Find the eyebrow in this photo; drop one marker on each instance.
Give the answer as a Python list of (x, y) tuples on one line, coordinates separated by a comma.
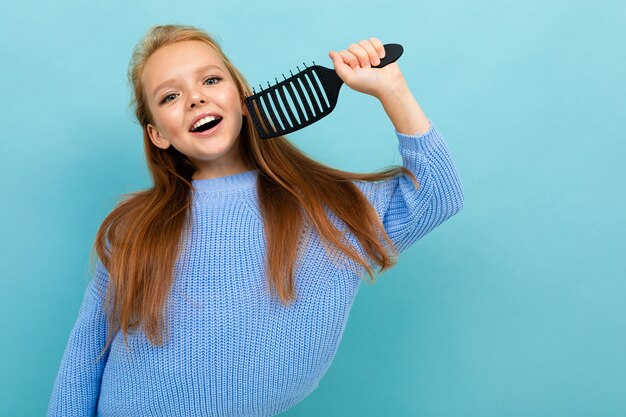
[(199, 69)]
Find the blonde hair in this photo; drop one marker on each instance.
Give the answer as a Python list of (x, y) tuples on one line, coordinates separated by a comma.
[(292, 190)]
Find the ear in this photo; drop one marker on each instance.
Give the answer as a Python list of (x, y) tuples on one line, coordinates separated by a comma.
[(244, 109), (156, 137)]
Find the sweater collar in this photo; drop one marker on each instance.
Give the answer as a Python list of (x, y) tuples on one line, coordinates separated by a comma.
[(242, 180)]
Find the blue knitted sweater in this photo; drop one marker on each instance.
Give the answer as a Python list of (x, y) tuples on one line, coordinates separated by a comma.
[(233, 348)]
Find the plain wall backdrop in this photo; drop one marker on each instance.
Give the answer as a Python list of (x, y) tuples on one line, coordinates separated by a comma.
[(513, 307)]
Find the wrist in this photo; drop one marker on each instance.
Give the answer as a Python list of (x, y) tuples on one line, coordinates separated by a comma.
[(398, 90), (403, 110)]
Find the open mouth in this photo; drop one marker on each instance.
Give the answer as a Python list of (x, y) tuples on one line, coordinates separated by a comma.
[(207, 126)]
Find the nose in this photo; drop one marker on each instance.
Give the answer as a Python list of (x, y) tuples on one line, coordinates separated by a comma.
[(195, 101)]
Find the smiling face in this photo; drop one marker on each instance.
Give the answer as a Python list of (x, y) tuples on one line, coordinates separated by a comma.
[(183, 83)]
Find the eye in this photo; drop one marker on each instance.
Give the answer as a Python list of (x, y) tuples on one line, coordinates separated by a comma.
[(166, 98), (212, 78)]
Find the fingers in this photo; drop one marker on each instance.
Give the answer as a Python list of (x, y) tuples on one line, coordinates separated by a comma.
[(365, 54), (340, 61), (349, 58), (378, 45), (340, 66)]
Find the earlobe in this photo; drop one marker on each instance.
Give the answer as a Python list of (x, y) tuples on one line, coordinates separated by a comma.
[(156, 137)]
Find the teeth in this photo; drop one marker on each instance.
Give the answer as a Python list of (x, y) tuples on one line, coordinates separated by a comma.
[(203, 121)]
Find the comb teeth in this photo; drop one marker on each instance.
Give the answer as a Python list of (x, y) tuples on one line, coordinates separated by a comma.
[(293, 103)]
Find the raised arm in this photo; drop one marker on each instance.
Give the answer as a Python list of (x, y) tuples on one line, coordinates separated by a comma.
[(410, 215), (407, 213)]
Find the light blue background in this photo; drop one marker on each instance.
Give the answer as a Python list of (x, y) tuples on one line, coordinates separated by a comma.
[(513, 307)]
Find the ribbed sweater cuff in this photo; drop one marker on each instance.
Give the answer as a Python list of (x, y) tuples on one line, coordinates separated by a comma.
[(426, 142)]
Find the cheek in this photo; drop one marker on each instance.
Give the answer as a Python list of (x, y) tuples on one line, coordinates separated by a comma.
[(233, 100), (171, 119)]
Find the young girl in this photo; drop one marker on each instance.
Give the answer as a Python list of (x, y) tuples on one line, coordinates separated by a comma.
[(224, 289)]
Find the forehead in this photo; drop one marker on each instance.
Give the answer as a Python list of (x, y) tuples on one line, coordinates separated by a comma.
[(177, 60)]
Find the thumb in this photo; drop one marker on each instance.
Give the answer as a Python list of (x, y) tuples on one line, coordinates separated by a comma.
[(342, 69)]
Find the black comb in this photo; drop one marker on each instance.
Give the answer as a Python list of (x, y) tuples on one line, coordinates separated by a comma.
[(298, 101)]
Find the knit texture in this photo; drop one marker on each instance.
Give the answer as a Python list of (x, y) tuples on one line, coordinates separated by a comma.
[(233, 348)]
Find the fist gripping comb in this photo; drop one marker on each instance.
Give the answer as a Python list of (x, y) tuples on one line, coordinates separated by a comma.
[(298, 101)]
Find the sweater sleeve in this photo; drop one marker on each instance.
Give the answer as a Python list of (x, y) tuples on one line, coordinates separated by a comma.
[(77, 385), (408, 213)]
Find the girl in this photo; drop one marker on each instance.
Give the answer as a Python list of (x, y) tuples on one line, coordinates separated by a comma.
[(224, 289)]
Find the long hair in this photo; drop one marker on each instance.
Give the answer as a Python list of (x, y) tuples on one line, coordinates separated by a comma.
[(293, 191)]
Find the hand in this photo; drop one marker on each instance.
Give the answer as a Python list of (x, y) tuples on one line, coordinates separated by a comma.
[(354, 67)]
